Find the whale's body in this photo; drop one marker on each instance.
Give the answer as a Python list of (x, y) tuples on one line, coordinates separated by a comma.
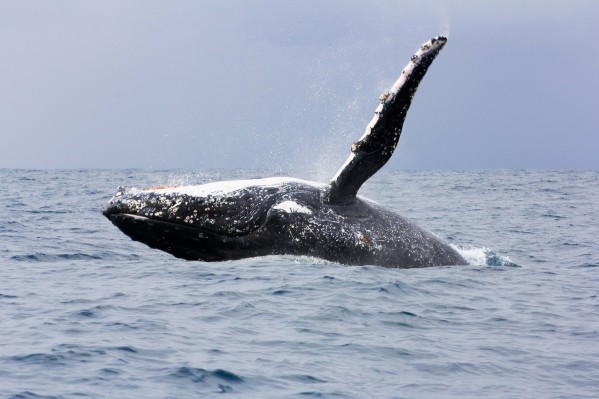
[(278, 216)]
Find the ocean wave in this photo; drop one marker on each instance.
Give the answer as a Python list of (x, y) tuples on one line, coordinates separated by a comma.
[(48, 257), (218, 380)]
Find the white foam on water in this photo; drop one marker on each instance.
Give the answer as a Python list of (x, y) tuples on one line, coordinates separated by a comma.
[(483, 256)]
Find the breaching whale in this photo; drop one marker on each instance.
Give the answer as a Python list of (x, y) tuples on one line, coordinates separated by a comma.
[(286, 216)]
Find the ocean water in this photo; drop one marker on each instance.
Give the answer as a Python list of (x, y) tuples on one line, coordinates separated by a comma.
[(87, 313)]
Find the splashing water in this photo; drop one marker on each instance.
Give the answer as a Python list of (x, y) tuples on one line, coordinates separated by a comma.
[(483, 256)]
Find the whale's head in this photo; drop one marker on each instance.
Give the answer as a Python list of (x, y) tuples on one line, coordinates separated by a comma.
[(215, 221)]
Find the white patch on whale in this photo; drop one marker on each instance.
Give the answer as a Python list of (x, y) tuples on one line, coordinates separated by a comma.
[(292, 207)]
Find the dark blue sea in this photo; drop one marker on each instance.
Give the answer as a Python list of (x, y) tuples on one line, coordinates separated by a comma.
[(87, 313)]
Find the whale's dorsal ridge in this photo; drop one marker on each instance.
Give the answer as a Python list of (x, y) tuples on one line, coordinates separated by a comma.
[(378, 142)]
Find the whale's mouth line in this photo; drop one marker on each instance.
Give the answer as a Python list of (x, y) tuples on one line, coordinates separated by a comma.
[(131, 217), (113, 216), (202, 232), (145, 219)]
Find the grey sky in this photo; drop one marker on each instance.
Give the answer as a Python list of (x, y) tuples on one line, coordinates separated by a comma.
[(190, 84)]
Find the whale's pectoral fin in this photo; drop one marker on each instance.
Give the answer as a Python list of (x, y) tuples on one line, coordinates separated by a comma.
[(378, 142)]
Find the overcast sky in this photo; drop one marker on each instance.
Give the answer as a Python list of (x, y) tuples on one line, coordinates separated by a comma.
[(288, 84)]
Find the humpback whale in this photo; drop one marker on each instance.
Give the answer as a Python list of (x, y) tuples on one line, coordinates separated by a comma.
[(287, 216)]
